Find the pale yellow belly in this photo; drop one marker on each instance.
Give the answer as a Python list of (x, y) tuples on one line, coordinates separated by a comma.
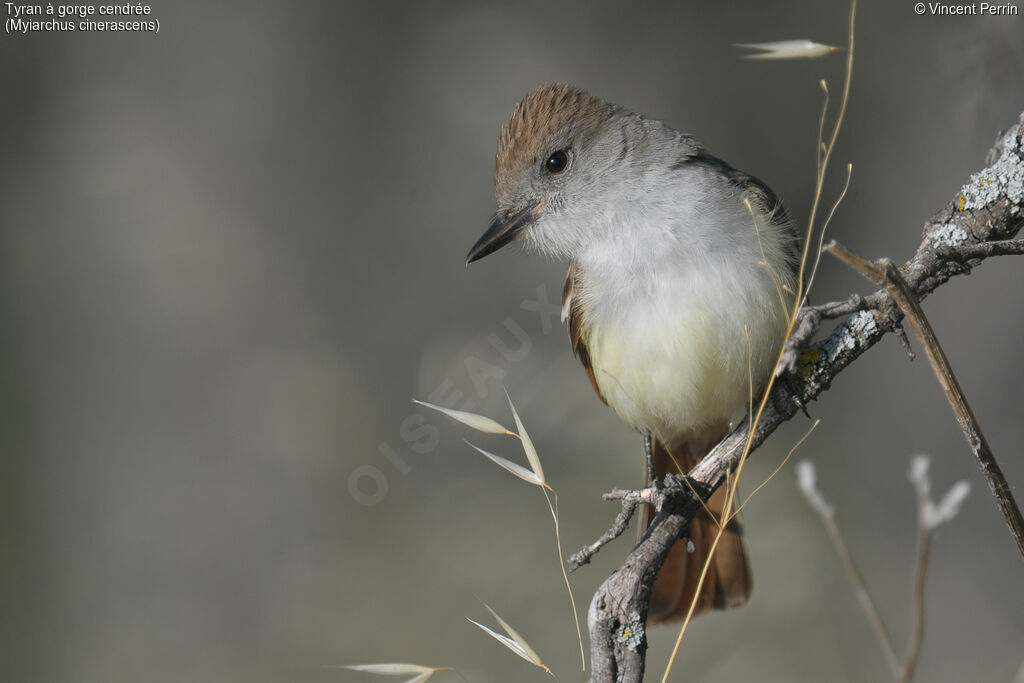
[(680, 372)]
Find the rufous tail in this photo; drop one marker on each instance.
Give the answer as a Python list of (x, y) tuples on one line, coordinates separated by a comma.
[(728, 581)]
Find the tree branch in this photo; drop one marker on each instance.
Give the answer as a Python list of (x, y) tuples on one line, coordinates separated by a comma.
[(978, 223)]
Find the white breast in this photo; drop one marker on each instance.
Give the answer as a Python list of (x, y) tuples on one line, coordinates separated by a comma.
[(682, 319)]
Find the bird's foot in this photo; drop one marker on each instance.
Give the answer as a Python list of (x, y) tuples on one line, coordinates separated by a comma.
[(792, 387)]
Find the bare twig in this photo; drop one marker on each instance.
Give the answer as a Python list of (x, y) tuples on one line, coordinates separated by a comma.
[(884, 273), (583, 555), (906, 672), (807, 482), (924, 544), (980, 251)]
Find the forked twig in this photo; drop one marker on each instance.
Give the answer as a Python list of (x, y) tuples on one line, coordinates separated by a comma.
[(630, 501), (929, 516)]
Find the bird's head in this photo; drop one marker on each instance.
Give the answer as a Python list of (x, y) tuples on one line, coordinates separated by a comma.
[(556, 164)]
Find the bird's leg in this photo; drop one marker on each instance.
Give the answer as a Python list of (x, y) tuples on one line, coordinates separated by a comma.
[(652, 479)]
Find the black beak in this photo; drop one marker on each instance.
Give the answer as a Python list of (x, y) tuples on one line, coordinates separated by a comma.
[(502, 230)]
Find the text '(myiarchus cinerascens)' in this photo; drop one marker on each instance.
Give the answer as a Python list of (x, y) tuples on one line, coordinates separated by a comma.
[(681, 278)]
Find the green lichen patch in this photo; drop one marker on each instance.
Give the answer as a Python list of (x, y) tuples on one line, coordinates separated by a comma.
[(808, 361)]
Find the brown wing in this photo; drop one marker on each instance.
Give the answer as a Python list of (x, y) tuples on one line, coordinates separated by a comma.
[(572, 315)]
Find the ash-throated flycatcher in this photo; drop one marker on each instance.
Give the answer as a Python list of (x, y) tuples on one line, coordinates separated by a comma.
[(681, 273)]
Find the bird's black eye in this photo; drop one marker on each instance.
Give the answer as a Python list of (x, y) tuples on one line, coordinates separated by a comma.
[(557, 162)]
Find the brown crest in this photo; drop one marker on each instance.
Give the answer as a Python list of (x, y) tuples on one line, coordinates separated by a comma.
[(550, 115)]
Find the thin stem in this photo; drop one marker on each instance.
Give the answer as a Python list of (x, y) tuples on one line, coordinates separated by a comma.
[(781, 465), (861, 589), (824, 226), (819, 147), (553, 507), (924, 542), (693, 604), (829, 147)]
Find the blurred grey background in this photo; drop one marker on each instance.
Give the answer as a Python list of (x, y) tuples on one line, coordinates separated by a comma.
[(232, 253)]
